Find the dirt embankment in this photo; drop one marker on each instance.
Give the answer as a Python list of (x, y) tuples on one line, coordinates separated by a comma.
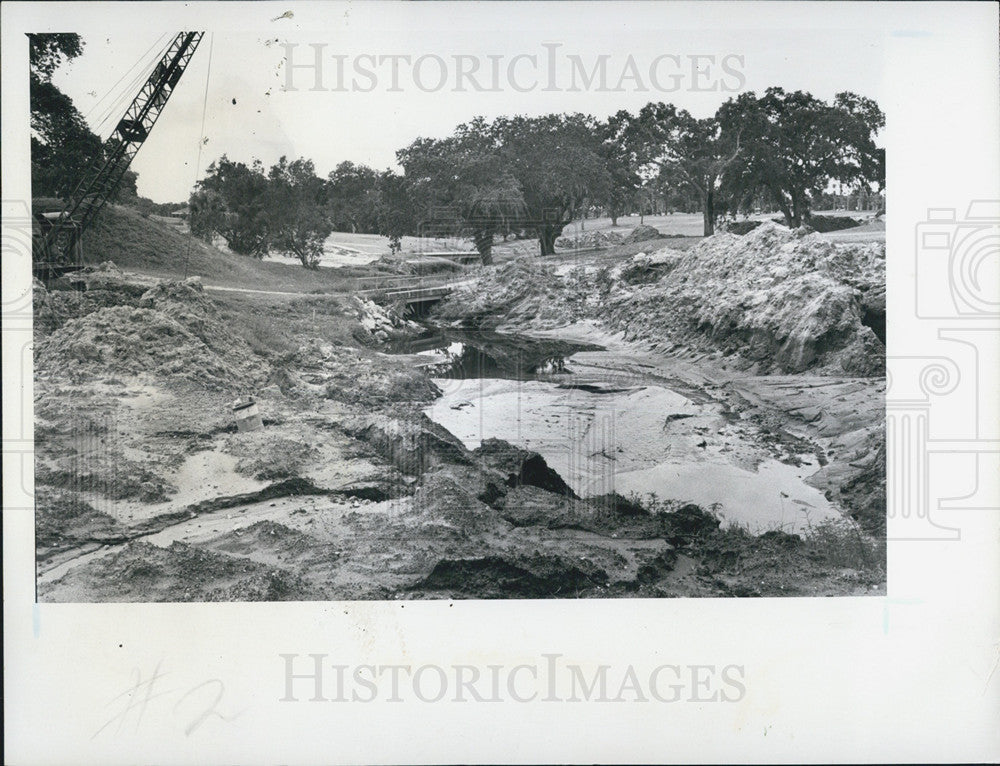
[(775, 300)]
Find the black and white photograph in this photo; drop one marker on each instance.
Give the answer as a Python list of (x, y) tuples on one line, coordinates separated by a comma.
[(395, 355), (637, 351)]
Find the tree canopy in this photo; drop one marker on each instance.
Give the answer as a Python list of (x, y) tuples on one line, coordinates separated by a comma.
[(297, 213), (62, 145), (463, 185), (532, 174), (353, 197), (47, 51), (232, 201), (672, 148), (794, 145), (283, 210), (558, 162)]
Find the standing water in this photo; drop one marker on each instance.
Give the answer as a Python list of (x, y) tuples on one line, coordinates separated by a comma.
[(614, 433)]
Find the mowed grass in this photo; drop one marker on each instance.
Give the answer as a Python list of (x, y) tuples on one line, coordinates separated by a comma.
[(141, 244)]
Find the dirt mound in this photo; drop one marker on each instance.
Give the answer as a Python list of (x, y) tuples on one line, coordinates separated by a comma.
[(172, 331), (779, 299), (825, 223), (83, 292), (589, 239), (741, 227), (145, 572), (113, 476), (643, 268), (269, 456), (358, 376), (688, 523), (525, 288), (642, 233), (609, 515), (785, 301), (521, 467)]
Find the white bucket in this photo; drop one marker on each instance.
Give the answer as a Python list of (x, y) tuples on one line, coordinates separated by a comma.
[(247, 415)]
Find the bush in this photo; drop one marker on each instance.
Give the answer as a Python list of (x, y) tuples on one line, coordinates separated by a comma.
[(742, 227)]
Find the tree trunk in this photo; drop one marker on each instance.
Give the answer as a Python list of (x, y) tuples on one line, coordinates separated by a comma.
[(483, 238), (547, 239), (797, 203), (708, 208), (787, 212), (796, 216)]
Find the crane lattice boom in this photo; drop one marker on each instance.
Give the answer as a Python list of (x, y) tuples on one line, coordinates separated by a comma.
[(56, 249)]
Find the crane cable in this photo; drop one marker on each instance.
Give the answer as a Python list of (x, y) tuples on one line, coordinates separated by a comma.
[(127, 94), (201, 143), (128, 71)]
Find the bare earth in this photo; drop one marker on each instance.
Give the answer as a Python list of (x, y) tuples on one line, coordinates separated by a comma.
[(146, 491)]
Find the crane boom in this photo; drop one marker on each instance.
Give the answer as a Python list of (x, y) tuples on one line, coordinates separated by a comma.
[(55, 248)]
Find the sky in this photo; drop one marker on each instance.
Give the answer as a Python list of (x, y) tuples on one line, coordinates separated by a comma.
[(453, 62)]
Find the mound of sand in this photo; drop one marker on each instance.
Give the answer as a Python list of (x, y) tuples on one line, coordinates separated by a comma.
[(523, 285), (642, 233), (354, 376), (171, 331), (773, 296), (779, 299), (590, 239)]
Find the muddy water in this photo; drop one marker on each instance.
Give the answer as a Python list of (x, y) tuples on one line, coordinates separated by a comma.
[(617, 433), (464, 354)]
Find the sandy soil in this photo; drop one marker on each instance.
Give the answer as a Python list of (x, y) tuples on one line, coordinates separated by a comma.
[(838, 421), (146, 490)]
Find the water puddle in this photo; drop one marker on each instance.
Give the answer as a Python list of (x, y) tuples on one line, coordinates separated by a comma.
[(630, 438), (465, 354)]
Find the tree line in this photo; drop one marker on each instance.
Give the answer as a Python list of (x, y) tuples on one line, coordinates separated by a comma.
[(531, 176), (63, 147), (512, 176)]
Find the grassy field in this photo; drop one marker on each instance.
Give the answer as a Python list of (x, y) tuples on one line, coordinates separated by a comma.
[(147, 246)]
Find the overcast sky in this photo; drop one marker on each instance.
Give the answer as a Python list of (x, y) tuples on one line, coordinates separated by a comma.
[(250, 114)]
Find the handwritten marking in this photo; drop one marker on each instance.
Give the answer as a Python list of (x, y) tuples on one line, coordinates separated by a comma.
[(193, 707)]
